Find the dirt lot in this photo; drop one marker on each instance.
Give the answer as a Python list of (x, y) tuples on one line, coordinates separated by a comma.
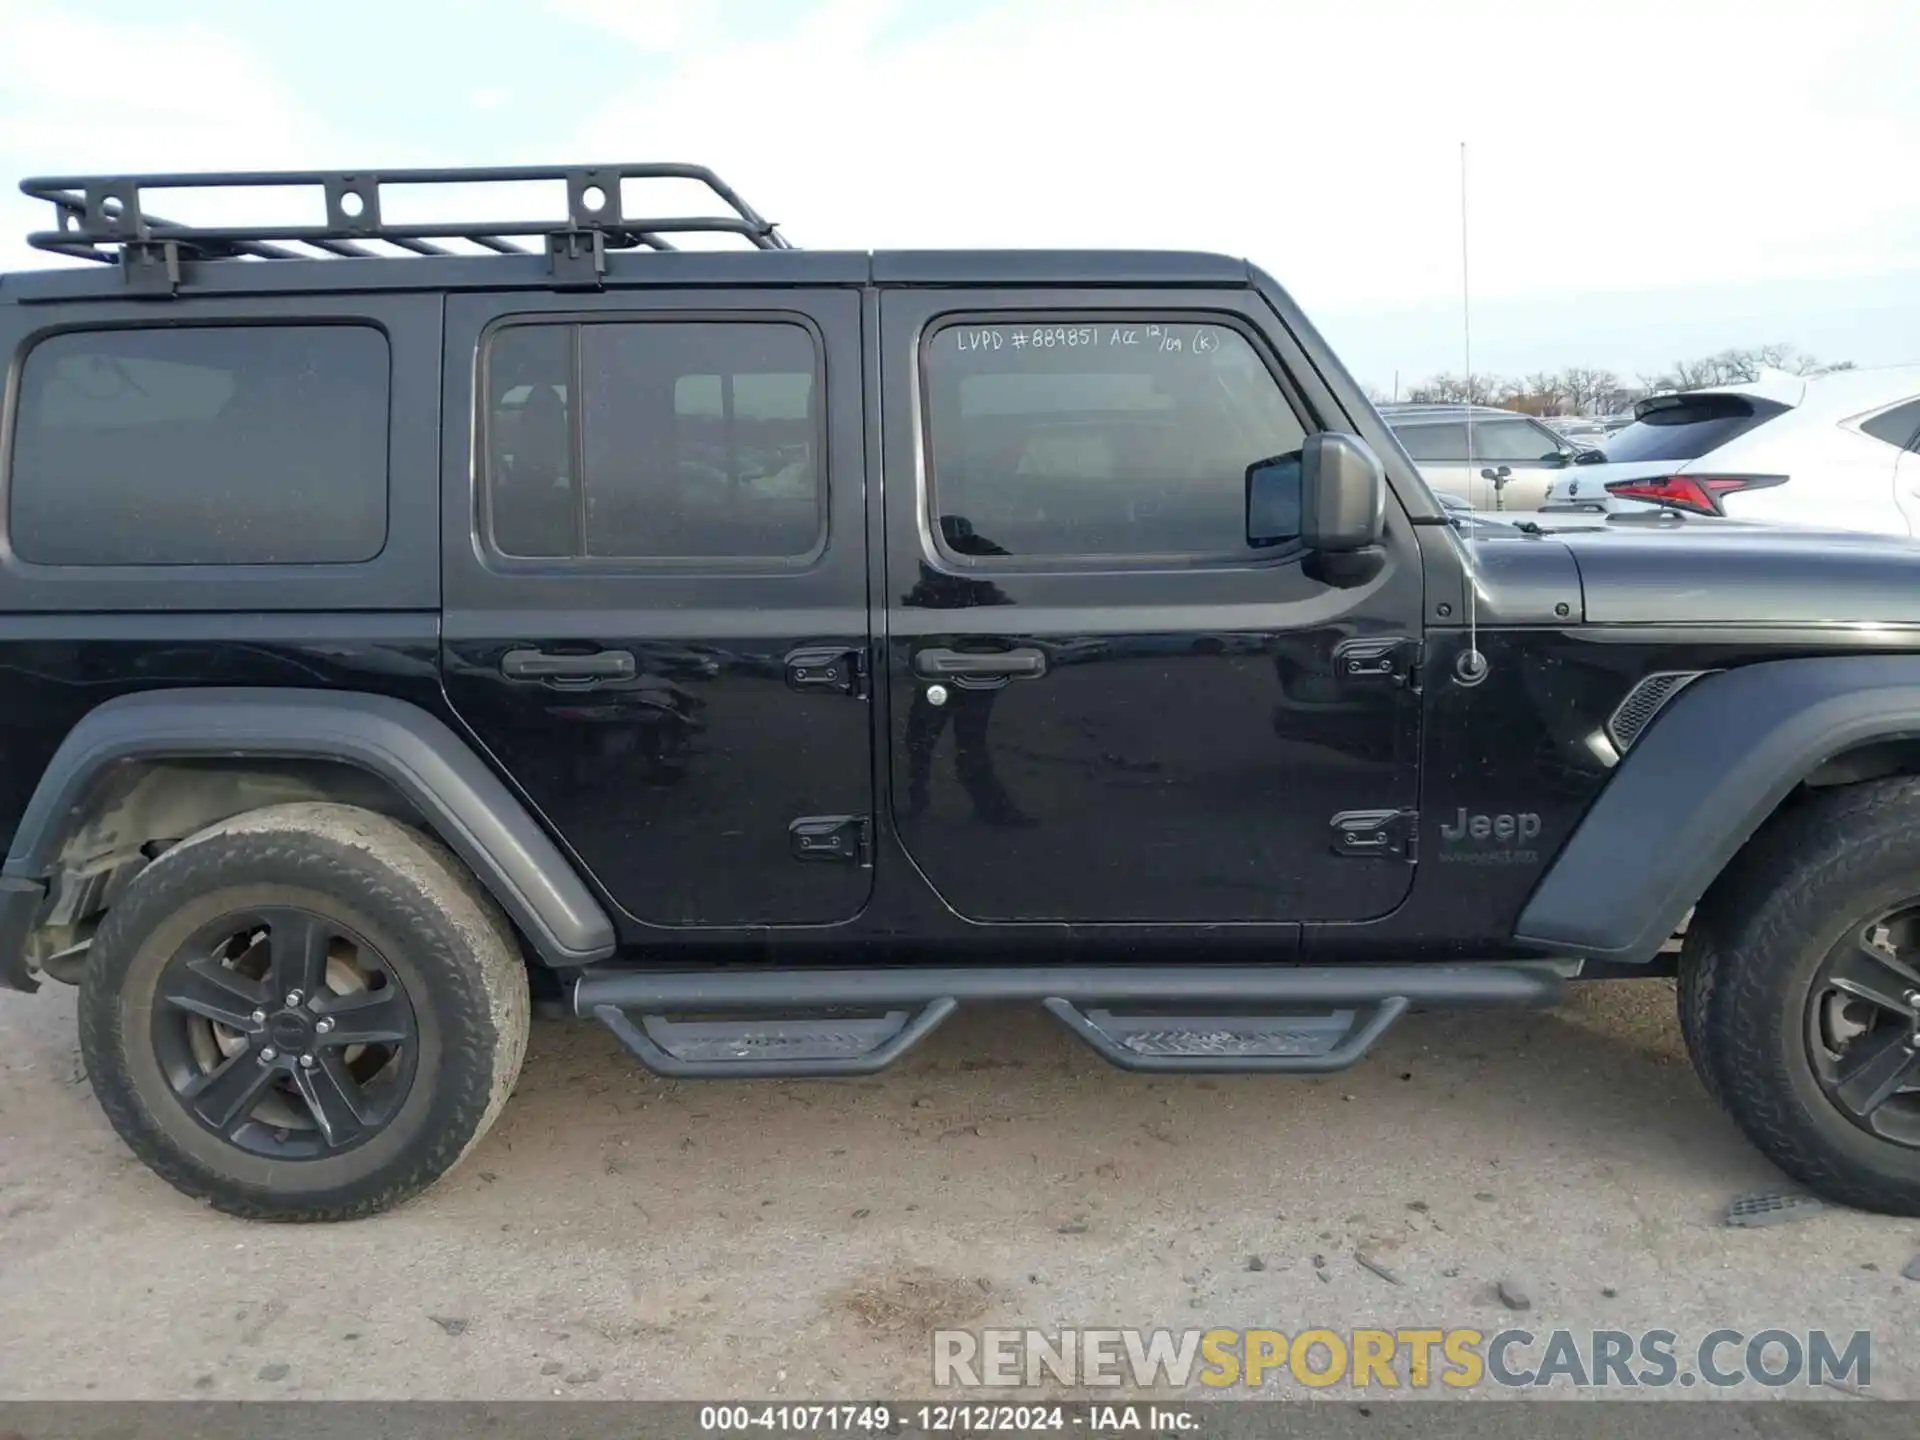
[(623, 1236)]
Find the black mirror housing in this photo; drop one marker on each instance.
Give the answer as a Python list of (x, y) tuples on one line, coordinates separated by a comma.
[(1343, 505), (1331, 495)]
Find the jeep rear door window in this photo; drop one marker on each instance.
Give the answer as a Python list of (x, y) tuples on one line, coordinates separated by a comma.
[(654, 440), (1685, 427), (1084, 437), (207, 445)]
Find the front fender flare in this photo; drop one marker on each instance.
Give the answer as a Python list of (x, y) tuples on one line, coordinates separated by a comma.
[(1702, 778), (463, 801)]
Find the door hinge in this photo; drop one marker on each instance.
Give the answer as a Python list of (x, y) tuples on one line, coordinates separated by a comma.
[(840, 670), (1377, 659), (1377, 832), (829, 837)]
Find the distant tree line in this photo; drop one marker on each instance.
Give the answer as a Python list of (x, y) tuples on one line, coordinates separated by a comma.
[(1582, 390)]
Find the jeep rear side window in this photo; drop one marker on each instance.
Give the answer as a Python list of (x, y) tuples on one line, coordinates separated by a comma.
[(688, 440), (1085, 437), (207, 445)]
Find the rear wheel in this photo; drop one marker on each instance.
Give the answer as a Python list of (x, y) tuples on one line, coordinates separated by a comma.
[(1800, 994), (308, 1012)]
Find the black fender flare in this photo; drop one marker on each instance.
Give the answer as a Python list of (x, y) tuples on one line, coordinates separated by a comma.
[(1697, 784), (468, 806)]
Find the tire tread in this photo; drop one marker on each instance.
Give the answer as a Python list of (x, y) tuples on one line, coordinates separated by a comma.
[(343, 850)]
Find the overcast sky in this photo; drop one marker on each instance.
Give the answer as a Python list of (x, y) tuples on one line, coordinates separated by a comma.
[(1647, 180)]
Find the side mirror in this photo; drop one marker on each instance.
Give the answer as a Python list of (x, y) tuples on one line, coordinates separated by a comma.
[(1343, 494), (1331, 495)]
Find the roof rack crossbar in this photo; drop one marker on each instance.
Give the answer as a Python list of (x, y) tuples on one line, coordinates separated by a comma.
[(100, 215)]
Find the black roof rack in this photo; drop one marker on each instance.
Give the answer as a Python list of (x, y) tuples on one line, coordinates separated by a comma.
[(104, 217)]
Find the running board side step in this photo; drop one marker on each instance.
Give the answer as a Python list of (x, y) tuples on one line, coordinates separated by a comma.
[(1294, 1044), (759, 1047), (1241, 1019)]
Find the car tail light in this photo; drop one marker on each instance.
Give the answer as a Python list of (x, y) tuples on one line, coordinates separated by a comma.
[(1700, 494)]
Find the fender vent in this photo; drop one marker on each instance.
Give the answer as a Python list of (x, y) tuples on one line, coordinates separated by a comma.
[(1646, 700)]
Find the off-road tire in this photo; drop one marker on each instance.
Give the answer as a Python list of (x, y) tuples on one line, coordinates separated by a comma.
[(1699, 972), (463, 975), (1831, 863)]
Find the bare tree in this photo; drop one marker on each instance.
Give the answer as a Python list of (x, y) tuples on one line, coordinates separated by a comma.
[(1459, 390), (1592, 391), (1738, 366), (1545, 393), (1588, 390)]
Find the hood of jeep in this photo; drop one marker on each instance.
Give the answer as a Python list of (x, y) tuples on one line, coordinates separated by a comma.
[(1726, 573)]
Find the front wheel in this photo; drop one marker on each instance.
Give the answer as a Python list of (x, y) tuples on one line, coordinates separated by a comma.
[(307, 1012), (1800, 994)]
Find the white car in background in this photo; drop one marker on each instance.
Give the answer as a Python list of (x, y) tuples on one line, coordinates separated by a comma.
[(1838, 451)]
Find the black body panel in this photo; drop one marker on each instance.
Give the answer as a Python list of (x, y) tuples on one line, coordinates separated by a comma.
[(1696, 785), (462, 801), (1724, 573), (55, 670), (1510, 745), (1522, 581)]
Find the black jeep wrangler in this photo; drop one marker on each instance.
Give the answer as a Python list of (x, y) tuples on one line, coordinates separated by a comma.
[(764, 652)]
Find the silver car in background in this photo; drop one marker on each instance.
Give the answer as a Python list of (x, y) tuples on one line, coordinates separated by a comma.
[(1514, 458)]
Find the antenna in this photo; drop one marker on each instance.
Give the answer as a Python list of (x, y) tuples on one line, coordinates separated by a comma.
[(1470, 666)]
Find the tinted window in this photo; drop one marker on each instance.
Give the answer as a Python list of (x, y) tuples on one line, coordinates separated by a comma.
[(1898, 426), (1435, 443), (1492, 439), (690, 440), (1126, 437), (1685, 427), (1510, 440), (228, 445)]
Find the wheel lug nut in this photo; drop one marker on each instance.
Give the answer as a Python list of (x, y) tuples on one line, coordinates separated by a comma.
[(259, 1017), (324, 1026), (293, 998), (269, 1055), (306, 1062)]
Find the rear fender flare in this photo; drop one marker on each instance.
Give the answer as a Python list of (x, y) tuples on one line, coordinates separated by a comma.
[(1697, 783), (464, 803)]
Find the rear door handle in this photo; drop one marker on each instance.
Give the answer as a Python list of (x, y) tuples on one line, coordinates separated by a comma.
[(541, 665), (992, 666)]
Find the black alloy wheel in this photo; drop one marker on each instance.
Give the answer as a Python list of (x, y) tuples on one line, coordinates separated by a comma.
[(285, 1033), (1863, 1026)]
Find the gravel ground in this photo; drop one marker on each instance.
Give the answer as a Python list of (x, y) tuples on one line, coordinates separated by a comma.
[(620, 1236)]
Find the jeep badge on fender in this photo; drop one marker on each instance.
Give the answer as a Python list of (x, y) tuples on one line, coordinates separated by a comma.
[(1522, 826)]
